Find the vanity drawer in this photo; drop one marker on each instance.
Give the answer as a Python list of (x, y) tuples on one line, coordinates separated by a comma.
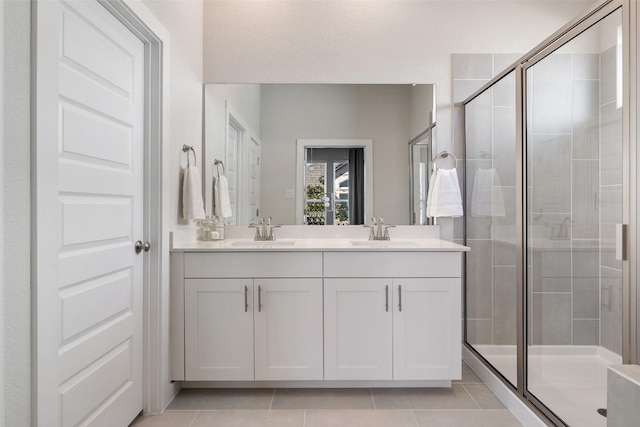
[(252, 264), (392, 264)]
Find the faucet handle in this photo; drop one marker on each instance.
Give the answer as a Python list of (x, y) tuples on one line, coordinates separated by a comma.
[(257, 227), (386, 231), (371, 233), (272, 235)]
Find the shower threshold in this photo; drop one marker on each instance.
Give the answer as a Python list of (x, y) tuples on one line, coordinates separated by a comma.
[(569, 380)]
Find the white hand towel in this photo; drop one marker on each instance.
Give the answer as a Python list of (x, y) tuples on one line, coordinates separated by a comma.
[(486, 196), (192, 204), (446, 199), (221, 201)]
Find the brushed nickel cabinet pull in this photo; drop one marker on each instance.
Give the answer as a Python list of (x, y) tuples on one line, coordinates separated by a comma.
[(246, 299), (400, 297), (259, 299), (386, 298)]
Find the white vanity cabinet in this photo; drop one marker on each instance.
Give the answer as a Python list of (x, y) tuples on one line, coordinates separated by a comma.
[(382, 317), (426, 328), (392, 315), (248, 316), (358, 329), (288, 329), (218, 329)]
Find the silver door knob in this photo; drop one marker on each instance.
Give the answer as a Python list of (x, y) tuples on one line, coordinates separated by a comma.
[(139, 246)]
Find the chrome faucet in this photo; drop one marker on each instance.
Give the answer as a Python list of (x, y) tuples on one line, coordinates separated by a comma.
[(264, 231), (563, 229), (377, 232)]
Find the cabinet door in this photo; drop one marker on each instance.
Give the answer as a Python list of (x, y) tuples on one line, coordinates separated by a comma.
[(219, 329), (358, 327), (426, 329), (288, 329)]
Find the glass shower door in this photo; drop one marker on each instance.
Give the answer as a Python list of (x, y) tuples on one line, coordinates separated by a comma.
[(490, 224), (574, 199)]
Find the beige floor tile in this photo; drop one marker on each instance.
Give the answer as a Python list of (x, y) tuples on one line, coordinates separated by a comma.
[(249, 419), (168, 419), (468, 376), (483, 396), (222, 399), (360, 419), (323, 398), (455, 397), (499, 418)]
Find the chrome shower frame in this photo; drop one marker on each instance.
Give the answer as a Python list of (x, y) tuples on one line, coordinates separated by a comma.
[(425, 135)]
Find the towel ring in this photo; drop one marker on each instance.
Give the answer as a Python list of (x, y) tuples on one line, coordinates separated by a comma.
[(217, 164), (185, 149), (443, 155)]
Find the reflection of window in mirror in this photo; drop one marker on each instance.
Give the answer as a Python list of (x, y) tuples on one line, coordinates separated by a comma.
[(332, 177)]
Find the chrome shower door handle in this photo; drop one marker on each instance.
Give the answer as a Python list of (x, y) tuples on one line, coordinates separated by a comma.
[(621, 242)]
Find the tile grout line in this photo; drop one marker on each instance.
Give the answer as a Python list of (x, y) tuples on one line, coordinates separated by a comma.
[(413, 413), (273, 397), (372, 399), (472, 398), (194, 418)]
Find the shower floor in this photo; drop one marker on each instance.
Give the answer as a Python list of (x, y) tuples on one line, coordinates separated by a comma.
[(569, 380)]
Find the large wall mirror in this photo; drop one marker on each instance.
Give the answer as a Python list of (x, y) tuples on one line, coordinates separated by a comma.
[(317, 154)]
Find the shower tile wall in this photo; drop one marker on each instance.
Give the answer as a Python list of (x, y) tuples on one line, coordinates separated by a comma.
[(576, 287), (564, 211), (574, 279)]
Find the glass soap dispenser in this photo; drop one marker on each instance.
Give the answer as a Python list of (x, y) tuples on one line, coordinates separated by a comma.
[(212, 228), (217, 230), (206, 226)]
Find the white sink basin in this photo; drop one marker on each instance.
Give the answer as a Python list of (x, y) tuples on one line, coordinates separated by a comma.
[(262, 243), (384, 243)]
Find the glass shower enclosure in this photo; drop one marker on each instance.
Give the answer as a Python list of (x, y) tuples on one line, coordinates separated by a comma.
[(545, 201)]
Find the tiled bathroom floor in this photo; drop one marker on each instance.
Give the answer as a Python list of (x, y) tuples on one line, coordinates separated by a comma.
[(469, 403)]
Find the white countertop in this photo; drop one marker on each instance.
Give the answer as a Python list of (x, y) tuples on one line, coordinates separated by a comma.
[(426, 240), (320, 245)]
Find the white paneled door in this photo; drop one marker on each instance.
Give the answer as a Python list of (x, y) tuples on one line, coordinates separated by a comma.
[(92, 199)]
